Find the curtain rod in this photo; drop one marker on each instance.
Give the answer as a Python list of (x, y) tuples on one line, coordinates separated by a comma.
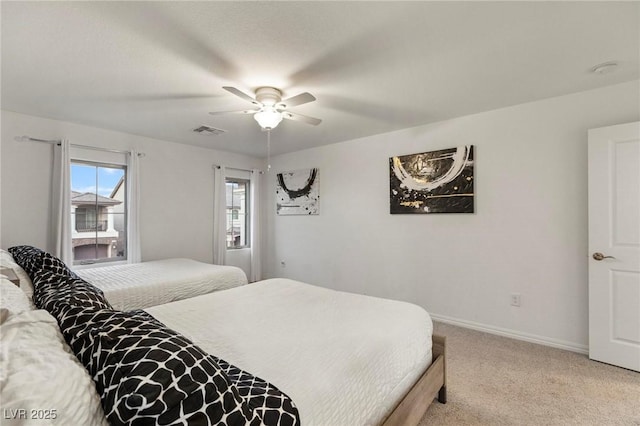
[(236, 168), (58, 142)]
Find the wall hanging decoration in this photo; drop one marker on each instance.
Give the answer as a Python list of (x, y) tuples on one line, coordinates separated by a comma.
[(432, 182), (298, 193)]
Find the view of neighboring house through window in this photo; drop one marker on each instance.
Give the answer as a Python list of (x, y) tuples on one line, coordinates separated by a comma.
[(98, 212), (237, 213)]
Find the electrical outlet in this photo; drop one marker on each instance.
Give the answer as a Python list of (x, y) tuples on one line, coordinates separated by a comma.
[(515, 299)]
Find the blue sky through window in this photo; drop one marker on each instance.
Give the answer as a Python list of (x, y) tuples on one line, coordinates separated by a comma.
[(84, 178)]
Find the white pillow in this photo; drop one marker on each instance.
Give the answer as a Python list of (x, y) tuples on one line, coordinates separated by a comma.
[(41, 380), (7, 261), (12, 299), (5, 256)]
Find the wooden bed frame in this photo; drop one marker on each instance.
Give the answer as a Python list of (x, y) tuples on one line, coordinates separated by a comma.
[(431, 384)]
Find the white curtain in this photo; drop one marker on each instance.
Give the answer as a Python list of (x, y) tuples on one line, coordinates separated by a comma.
[(219, 216), (256, 227), (133, 208), (61, 203)]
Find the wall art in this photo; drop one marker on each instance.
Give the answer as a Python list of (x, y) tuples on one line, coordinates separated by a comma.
[(432, 182), (298, 192)]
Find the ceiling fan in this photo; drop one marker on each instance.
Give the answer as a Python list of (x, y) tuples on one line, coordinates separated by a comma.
[(270, 109)]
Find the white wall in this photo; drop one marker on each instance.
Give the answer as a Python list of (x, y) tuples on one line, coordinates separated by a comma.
[(528, 235), (176, 183)]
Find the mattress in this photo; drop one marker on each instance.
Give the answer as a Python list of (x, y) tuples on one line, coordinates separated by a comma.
[(342, 358), (141, 285)]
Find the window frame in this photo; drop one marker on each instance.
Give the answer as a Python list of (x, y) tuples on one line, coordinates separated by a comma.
[(103, 164), (247, 208)]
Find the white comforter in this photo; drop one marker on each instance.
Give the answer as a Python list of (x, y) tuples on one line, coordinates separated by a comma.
[(140, 285), (344, 359)]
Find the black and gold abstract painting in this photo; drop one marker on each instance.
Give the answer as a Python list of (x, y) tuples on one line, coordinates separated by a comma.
[(432, 182)]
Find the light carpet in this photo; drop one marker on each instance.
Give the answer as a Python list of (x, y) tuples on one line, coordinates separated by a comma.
[(493, 380)]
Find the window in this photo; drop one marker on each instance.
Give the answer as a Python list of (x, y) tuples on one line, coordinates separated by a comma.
[(98, 212), (237, 213)]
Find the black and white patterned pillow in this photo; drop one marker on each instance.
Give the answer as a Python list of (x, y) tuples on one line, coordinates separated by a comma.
[(271, 404), (146, 373), (49, 262), (51, 289), (33, 260), (28, 257)]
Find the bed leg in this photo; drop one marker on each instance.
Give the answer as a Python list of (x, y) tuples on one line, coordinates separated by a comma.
[(442, 395)]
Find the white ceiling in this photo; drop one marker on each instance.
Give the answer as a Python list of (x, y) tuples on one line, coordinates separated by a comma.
[(156, 68)]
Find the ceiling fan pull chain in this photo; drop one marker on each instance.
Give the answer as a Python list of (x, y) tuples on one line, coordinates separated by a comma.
[(268, 150)]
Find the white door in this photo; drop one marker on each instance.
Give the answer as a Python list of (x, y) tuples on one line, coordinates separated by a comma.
[(614, 245)]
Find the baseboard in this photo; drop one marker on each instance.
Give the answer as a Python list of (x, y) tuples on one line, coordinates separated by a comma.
[(518, 335)]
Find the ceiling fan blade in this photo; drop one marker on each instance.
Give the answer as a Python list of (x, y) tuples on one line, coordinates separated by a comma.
[(239, 93), (242, 111), (299, 117), (300, 99)]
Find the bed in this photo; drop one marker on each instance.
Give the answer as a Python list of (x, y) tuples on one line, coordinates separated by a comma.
[(140, 285), (342, 358), (337, 358)]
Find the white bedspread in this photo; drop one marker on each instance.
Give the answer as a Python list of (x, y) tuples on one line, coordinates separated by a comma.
[(141, 285), (344, 359)]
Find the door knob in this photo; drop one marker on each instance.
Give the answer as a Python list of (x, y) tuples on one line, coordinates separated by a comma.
[(599, 256)]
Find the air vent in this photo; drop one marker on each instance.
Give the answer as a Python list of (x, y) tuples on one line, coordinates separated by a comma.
[(207, 130)]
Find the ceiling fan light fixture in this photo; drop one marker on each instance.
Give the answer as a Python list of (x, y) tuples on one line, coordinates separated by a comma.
[(271, 109), (268, 117)]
